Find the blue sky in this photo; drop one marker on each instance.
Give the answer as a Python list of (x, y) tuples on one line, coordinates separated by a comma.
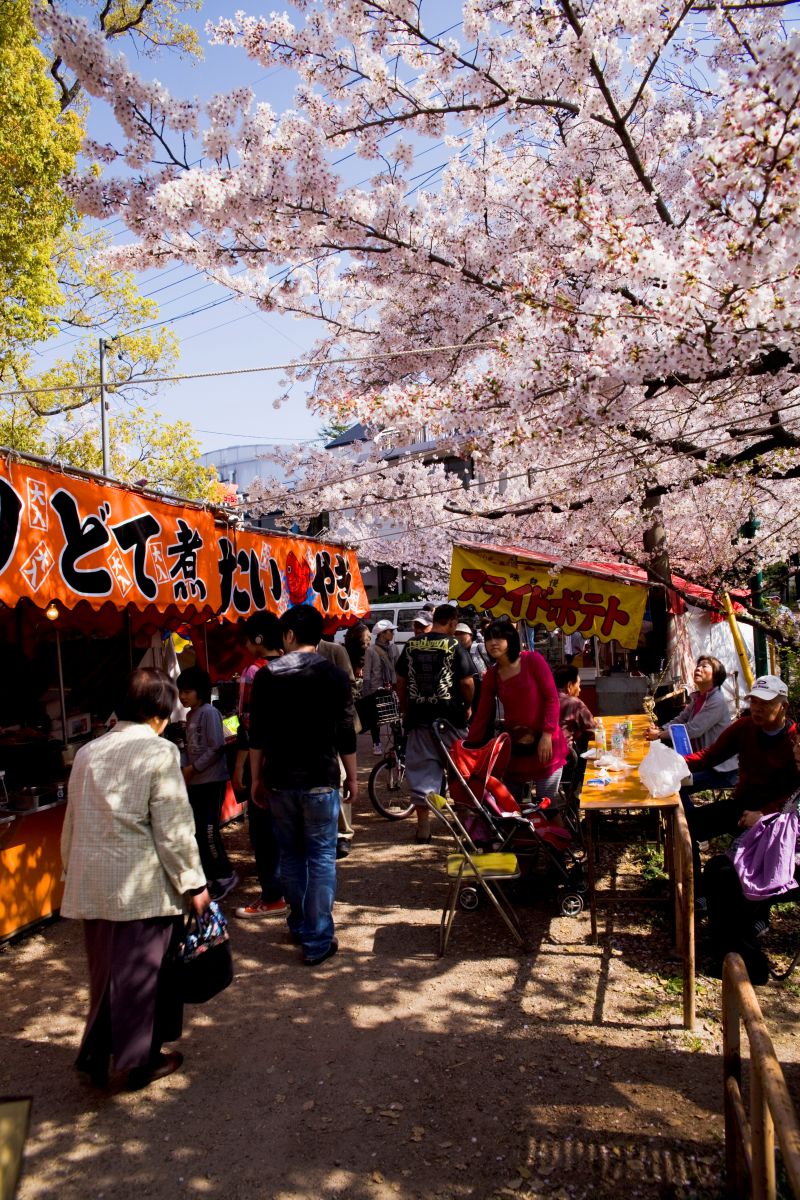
[(215, 330), (230, 333)]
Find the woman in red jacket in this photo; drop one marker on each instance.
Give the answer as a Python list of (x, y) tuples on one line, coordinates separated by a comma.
[(523, 683)]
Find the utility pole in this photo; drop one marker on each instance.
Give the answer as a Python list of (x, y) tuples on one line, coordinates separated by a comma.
[(103, 407)]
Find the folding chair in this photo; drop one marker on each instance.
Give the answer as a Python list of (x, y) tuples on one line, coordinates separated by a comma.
[(488, 871), (15, 1114)]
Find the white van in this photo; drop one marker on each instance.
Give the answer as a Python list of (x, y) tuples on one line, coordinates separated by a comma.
[(400, 614)]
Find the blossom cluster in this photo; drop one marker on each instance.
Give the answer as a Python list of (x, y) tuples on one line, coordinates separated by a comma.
[(575, 263)]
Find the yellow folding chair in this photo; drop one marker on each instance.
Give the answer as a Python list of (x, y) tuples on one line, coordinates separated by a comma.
[(15, 1114), (471, 866)]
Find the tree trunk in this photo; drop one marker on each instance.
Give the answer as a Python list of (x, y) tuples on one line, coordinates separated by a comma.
[(659, 573)]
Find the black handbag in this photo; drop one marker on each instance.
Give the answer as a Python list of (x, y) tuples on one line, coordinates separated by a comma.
[(204, 963)]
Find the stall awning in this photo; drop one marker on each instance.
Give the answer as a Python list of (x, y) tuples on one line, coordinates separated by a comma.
[(85, 542), (589, 598)]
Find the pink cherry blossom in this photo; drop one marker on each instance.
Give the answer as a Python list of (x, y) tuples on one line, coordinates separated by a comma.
[(595, 203)]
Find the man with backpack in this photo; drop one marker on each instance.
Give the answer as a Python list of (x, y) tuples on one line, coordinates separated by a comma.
[(434, 682)]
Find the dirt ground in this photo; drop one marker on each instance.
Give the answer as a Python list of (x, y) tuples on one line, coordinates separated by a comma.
[(388, 1073)]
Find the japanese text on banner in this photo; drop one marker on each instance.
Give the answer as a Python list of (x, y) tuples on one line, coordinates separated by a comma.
[(568, 599), (73, 539)]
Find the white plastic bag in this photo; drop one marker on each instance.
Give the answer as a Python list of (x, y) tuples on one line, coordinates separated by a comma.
[(662, 771), (611, 762)]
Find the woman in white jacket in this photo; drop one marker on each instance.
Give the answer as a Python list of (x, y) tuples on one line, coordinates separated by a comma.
[(132, 869)]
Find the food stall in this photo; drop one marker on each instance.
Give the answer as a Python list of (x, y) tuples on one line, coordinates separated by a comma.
[(89, 572), (608, 605)]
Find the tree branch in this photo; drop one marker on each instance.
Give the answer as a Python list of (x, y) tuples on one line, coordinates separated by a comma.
[(618, 122), (769, 362)]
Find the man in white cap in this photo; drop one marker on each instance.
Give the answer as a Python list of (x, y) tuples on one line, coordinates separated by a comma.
[(481, 660), (379, 676), (768, 773), (422, 623)]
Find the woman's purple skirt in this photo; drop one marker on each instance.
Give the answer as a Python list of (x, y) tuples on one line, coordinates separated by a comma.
[(133, 1006)]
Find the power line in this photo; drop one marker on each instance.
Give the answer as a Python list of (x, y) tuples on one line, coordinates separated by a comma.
[(212, 282), (256, 437), (480, 483), (290, 366), (568, 490)]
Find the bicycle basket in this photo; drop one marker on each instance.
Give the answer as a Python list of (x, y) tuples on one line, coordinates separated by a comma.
[(387, 707)]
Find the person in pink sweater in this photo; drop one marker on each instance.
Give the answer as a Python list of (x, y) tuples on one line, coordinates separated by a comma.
[(523, 683)]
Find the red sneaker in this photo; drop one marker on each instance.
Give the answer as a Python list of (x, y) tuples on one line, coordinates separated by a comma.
[(260, 908)]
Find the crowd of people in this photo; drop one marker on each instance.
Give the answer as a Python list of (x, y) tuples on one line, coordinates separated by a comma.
[(142, 841)]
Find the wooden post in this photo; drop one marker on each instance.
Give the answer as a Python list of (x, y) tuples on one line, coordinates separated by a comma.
[(762, 1140), (684, 892), (750, 1148), (732, 1080), (592, 880), (62, 699)]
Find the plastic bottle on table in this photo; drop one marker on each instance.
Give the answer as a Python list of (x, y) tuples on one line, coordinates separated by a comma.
[(600, 736), (618, 741)]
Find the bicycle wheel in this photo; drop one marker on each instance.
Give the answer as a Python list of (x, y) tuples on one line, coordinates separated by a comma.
[(389, 791)]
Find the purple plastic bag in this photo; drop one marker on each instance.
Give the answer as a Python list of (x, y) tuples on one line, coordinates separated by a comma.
[(764, 855)]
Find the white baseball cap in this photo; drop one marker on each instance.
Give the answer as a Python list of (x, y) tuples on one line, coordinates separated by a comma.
[(769, 687), (423, 618), (463, 627), (382, 626)]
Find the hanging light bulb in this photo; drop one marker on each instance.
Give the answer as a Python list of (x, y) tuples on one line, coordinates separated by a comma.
[(51, 612)]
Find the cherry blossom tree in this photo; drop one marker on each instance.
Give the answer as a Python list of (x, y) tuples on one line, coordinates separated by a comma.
[(559, 241)]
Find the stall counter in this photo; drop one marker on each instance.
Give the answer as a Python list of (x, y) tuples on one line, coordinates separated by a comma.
[(31, 886)]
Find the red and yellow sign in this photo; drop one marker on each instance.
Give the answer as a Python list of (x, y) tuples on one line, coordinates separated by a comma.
[(73, 539), (566, 599)]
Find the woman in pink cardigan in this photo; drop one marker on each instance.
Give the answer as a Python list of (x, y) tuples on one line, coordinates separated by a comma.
[(524, 685)]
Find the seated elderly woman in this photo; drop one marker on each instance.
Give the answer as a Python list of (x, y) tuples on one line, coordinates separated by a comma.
[(704, 717), (132, 869)]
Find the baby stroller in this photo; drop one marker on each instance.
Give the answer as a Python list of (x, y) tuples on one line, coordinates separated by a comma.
[(496, 822)]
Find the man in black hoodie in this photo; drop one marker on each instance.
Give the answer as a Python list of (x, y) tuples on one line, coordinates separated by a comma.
[(301, 721)]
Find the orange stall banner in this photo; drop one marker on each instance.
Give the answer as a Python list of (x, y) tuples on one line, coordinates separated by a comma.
[(565, 598), (260, 570), (73, 539)]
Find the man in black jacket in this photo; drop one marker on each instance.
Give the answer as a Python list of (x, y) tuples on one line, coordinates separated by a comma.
[(301, 721)]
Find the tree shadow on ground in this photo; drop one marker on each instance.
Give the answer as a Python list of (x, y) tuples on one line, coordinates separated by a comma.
[(388, 1072)]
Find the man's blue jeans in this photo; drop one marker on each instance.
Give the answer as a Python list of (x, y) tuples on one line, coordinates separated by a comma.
[(306, 827)]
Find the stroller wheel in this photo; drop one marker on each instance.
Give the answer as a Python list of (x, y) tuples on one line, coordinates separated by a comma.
[(571, 904), (468, 899)]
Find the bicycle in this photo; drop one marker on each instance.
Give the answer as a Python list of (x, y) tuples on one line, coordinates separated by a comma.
[(388, 788)]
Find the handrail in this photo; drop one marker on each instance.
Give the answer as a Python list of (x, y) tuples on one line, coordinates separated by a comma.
[(750, 1144), (684, 913)]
